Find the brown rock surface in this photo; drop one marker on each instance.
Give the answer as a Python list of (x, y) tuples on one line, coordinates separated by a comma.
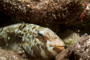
[(43, 12), (9, 55), (78, 51), (48, 13)]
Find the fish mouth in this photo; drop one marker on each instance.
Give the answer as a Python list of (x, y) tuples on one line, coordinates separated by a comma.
[(60, 47)]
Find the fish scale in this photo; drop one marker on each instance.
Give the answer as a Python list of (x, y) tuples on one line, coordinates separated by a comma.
[(36, 41)]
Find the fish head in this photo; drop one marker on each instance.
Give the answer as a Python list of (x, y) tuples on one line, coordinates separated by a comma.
[(52, 40)]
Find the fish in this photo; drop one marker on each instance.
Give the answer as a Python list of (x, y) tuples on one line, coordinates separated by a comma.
[(36, 42)]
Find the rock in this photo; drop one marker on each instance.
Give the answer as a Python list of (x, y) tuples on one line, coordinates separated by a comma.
[(78, 51), (70, 37), (43, 12), (9, 55), (47, 13), (63, 55), (33, 41)]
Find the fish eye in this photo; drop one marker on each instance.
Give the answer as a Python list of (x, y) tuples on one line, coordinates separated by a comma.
[(41, 33)]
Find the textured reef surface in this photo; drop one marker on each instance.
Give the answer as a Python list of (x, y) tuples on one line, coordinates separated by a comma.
[(78, 51), (47, 13), (43, 12), (9, 55), (21, 31)]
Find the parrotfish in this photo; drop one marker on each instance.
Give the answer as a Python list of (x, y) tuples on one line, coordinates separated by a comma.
[(36, 42)]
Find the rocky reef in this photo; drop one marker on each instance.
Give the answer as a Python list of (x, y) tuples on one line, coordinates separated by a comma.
[(46, 13), (78, 51), (43, 12), (41, 29), (9, 55)]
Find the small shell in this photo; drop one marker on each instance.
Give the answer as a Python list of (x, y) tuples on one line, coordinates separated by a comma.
[(38, 42)]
